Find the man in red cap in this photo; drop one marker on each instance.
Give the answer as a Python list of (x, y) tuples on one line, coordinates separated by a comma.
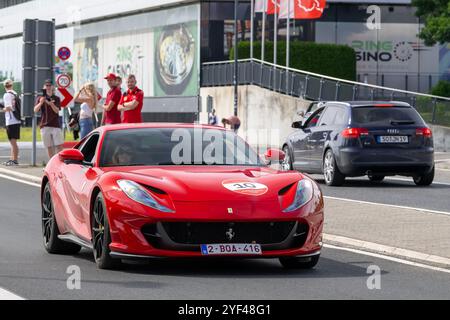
[(132, 102), (111, 115)]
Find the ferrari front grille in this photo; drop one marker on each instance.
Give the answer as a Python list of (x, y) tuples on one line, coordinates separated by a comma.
[(193, 233)]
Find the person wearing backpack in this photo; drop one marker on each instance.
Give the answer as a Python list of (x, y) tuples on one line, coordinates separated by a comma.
[(12, 112)]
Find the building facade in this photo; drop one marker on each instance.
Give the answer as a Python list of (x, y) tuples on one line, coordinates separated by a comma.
[(164, 43)]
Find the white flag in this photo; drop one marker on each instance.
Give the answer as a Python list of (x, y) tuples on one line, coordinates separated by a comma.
[(285, 6), (260, 5)]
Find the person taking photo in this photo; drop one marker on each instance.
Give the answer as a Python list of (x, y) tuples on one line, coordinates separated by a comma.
[(49, 105)]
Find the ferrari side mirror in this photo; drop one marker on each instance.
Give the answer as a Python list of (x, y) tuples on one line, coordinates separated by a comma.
[(71, 156)]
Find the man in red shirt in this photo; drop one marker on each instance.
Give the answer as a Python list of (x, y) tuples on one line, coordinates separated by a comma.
[(111, 114), (132, 102)]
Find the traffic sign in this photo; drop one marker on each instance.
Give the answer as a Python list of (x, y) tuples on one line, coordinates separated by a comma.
[(63, 81), (67, 97), (64, 53)]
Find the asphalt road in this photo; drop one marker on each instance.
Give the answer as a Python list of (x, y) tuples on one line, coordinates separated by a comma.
[(401, 192), (28, 271)]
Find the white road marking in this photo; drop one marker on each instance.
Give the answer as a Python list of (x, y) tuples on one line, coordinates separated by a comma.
[(410, 180), (385, 257), (20, 181), (389, 205), (7, 295)]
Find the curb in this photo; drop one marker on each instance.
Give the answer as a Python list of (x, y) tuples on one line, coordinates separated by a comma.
[(20, 175), (413, 256)]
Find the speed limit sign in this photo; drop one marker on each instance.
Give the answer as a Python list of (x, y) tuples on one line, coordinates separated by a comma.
[(63, 81)]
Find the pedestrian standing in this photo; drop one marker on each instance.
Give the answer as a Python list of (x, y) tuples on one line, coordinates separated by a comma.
[(49, 105), (132, 102), (234, 123), (87, 96), (13, 121), (111, 115), (212, 118)]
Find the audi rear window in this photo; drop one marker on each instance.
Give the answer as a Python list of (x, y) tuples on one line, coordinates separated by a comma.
[(385, 116)]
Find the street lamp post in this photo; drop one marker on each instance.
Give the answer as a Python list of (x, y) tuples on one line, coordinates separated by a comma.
[(235, 76)]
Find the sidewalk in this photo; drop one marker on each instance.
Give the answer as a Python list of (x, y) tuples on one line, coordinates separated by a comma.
[(404, 233)]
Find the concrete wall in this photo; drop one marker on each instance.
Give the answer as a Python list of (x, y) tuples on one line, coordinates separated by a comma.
[(266, 116), (441, 138)]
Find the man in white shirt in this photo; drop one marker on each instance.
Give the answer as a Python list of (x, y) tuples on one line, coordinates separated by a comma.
[(12, 124)]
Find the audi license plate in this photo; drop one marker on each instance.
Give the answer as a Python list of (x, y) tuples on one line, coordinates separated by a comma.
[(393, 139), (231, 249)]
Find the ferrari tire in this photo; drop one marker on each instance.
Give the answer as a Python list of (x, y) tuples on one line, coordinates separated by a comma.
[(101, 236), (50, 231), (425, 179), (332, 174), (300, 262), (376, 178)]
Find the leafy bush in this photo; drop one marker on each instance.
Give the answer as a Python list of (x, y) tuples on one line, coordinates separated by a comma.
[(442, 88), (328, 59)]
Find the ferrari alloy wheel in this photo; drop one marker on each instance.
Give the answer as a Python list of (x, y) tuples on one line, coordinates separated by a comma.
[(331, 173), (101, 237), (50, 230), (286, 164), (300, 262)]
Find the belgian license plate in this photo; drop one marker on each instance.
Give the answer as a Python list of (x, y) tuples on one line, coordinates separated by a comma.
[(393, 139), (231, 249)]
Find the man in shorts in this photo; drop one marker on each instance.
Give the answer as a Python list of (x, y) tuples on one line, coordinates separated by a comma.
[(49, 105), (12, 123)]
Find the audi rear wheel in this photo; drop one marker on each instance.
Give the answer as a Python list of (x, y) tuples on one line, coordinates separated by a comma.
[(331, 173), (425, 179)]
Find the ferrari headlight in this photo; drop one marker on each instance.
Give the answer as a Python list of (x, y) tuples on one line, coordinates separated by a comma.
[(303, 195), (139, 194)]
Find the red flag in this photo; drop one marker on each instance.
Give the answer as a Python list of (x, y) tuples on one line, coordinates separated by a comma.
[(302, 9), (273, 6)]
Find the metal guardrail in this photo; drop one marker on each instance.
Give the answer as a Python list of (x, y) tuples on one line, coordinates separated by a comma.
[(317, 87)]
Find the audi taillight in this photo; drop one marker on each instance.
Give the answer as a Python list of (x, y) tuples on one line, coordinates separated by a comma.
[(424, 132), (354, 133)]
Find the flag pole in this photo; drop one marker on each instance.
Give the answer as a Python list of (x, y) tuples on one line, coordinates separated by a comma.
[(235, 74), (275, 40), (263, 36), (288, 42), (252, 22)]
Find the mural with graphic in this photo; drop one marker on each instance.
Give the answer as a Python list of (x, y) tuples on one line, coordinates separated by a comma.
[(86, 53), (176, 60)]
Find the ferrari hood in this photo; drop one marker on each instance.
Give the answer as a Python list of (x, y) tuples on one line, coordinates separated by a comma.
[(213, 183)]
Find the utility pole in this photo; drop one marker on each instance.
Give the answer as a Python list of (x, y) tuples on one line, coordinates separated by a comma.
[(235, 75)]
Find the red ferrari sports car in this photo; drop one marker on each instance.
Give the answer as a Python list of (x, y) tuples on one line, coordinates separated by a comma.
[(178, 190)]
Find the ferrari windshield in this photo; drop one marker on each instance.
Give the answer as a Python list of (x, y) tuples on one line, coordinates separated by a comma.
[(176, 146)]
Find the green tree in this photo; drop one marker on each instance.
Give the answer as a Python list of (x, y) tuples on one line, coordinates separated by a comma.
[(436, 15)]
